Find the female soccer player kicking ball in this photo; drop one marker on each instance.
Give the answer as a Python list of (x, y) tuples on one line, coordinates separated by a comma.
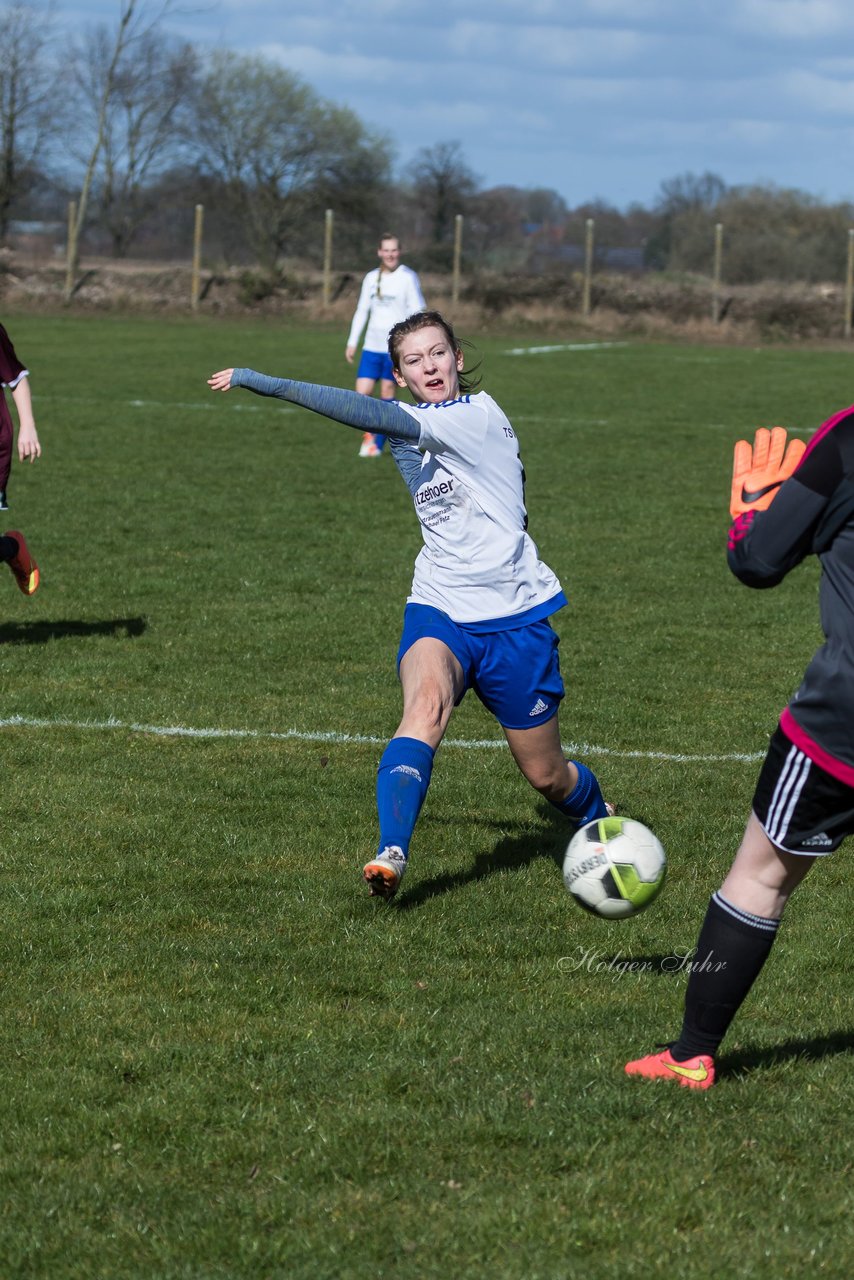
[(786, 504), (477, 615)]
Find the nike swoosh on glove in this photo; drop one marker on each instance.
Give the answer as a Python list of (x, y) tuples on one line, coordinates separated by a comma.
[(758, 470)]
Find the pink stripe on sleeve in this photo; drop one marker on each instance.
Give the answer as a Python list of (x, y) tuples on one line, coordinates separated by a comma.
[(823, 430)]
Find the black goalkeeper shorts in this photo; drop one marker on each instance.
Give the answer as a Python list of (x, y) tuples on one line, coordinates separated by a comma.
[(800, 807)]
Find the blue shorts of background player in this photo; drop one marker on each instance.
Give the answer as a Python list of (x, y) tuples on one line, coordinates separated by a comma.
[(376, 365), (515, 673)]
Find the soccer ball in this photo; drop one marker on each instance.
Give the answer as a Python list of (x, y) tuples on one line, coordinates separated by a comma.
[(614, 867)]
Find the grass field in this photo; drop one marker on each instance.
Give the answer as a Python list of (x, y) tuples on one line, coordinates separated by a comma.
[(221, 1058)]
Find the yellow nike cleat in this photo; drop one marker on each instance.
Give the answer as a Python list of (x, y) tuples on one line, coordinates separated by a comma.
[(696, 1073), (22, 564)]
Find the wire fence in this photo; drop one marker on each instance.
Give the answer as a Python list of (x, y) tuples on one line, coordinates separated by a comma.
[(587, 262)]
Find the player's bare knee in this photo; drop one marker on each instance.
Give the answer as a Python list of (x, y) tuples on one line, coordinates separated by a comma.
[(551, 782), (431, 707)]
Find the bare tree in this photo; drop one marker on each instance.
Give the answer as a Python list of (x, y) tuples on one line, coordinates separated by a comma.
[(685, 207), (689, 192), (117, 46), (443, 183), (279, 149), (28, 85), (141, 135)]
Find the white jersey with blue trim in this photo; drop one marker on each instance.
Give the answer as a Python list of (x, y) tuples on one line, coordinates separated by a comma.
[(478, 562), (386, 298)]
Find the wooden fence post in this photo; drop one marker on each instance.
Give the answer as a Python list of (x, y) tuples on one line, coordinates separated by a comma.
[(328, 224), (458, 250), (716, 274), (849, 283), (588, 267), (195, 283), (70, 249)]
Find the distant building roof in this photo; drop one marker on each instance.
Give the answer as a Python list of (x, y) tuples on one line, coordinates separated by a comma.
[(36, 228), (626, 258)]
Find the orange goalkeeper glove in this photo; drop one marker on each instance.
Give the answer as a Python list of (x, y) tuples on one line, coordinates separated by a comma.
[(759, 469)]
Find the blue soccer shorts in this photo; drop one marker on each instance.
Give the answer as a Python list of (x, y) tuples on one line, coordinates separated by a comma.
[(515, 673), (376, 365)]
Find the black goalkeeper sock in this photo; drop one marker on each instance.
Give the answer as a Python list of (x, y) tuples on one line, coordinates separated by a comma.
[(732, 948), (8, 548)]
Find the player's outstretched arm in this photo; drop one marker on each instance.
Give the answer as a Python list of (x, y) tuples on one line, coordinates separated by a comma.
[(363, 413)]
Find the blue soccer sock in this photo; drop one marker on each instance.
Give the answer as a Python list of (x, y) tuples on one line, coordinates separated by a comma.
[(403, 777), (584, 802)]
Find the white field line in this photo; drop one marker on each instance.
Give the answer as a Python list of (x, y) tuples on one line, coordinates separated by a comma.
[(233, 406), (735, 431), (301, 735), (562, 346), (746, 433), (554, 421), (238, 407)]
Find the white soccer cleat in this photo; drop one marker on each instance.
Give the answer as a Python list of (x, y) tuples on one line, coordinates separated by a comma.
[(384, 873), (369, 447)]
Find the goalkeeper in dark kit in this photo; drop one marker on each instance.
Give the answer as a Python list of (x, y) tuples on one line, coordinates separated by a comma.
[(789, 501)]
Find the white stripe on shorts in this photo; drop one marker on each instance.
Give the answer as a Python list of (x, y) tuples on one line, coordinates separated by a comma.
[(790, 784)]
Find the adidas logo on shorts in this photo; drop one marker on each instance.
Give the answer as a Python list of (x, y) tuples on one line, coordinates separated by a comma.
[(538, 708)]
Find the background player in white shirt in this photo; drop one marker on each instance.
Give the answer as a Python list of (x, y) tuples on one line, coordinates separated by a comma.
[(389, 293), (477, 614)]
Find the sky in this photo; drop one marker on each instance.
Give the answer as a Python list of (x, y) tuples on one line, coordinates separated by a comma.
[(595, 99)]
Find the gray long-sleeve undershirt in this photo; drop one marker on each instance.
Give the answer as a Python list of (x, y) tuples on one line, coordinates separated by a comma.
[(364, 413)]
